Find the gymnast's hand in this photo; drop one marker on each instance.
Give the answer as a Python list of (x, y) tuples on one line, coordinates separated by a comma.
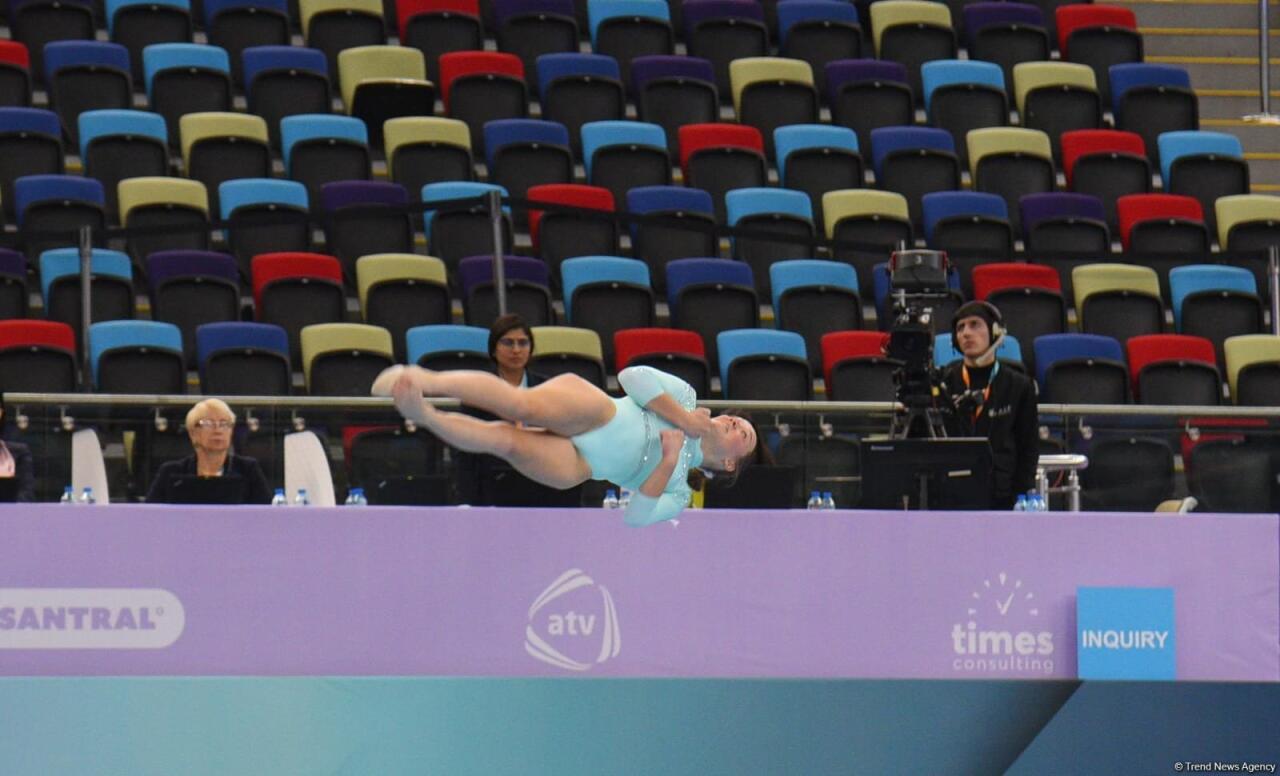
[(672, 441), (699, 423)]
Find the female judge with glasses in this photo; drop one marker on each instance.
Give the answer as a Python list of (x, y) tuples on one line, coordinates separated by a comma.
[(213, 475)]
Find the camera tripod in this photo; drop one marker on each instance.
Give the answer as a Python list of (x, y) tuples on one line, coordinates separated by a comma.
[(917, 420)]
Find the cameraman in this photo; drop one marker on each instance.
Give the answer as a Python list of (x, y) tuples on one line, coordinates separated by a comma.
[(992, 401)]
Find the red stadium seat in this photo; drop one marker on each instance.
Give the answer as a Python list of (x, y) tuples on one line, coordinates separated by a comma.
[(695, 138), (1071, 18), (990, 278), (1136, 209), (1173, 369), (37, 356), (1086, 142), (630, 344), (571, 194), (843, 345), (271, 267), (462, 64)]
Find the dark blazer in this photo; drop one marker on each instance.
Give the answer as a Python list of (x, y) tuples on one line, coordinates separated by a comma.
[(23, 470), (163, 491)]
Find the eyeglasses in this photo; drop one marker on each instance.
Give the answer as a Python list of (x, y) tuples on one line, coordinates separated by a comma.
[(511, 342), (211, 423)]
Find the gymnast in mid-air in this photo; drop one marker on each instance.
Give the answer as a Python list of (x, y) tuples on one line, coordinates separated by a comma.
[(565, 431)]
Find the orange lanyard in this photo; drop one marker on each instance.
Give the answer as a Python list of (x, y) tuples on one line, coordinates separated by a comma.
[(986, 392)]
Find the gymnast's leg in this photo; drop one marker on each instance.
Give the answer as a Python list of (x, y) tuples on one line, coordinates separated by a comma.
[(544, 457), (566, 405)]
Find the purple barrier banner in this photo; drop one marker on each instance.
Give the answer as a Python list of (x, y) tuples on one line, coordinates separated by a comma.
[(273, 591)]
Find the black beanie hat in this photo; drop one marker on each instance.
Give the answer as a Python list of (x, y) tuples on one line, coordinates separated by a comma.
[(984, 310)]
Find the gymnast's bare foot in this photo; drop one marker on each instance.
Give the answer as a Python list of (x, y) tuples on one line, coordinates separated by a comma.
[(386, 381)]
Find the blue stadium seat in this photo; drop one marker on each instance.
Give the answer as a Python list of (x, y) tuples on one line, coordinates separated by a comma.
[(443, 192), (98, 124), (62, 203), (805, 137), (527, 152), (914, 161), (1204, 165), (782, 211), (787, 276), (583, 271), (812, 298), (709, 296), (65, 262), (621, 155), (242, 358), (337, 148), (764, 364), (941, 206), (30, 144), (246, 192), (1176, 145), (1081, 368), (136, 357), (470, 342), (601, 11), (1139, 75), (966, 73), (944, 352), (31, 190), (182, 56), (553, 66)]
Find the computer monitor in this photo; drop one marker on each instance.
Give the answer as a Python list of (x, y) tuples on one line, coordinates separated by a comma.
[(759, 487), (191, 489), (926, 474), (8, 489)]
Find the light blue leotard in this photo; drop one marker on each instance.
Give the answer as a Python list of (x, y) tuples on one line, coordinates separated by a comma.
[(628, 448)]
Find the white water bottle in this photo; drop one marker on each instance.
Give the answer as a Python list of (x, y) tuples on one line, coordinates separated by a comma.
[(1021, 505), (624, 498), (86, 496), (68, 496), (610, 499), (815, 500), (355, 498), (828, 502), (300, 499), (279, 499)]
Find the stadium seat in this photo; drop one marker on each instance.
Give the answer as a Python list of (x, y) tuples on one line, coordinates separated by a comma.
[(607, 294), (1064, 223), (37, 357), (175, 203), (399, 291), (481, 86), (456, 233), (678, 352), (709, 296), (446, 346), (319, 149), (763, 364), (720, 157), (528, 290), (520, 153), (243, 359), (531, 28), (771, 92), (914, 161), (622, 155), (1098, 36), (1173, 369), (334, 25), (265, 216), (364, 218), (630, 29), (814, 298), (1216, 302), (1056, 98), (1117, 300), (427, 149), (1127, 474), (1007, 35), (1151, 100), (395, 466), (35, 23), (282, 81), (184, 78), (872, 223), (1233, 475), (865, 94), (30, 144), (13, 285), (237, 25), (294, 290), (111, 280), (1253, 369), (136, 25), (855, 367), (972, 227), (218, 147), (558, 236), (1011, 162), (437, 27), (137, 357), (576, 89), (15, 75), (1249, 222), (384, 82), (1204, 165), (672, 91), (1162, 231), (819, 33), (684, 231), (58, 203), (722, 31), (1029, 298), (779, 211), (343, 359), (568, 350), (1009, 351), (192, 288), (120, 144), (961, 95), (1107, 164), (912, 32), (1081, 369), (817, 158), (83, 75)]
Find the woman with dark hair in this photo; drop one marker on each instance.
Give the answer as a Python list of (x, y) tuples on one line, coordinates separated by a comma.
[(511, 347), (647, 440), (16, 466)]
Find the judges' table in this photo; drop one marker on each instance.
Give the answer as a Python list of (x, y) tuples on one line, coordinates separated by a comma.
[(270, 591)]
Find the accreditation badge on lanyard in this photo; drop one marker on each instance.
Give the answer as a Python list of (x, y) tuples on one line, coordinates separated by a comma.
[(986, 392)]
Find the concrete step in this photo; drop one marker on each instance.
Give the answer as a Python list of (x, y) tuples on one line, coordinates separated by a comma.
[(1233, 103), (1213, 72), (1205, 41), (1200, 13)]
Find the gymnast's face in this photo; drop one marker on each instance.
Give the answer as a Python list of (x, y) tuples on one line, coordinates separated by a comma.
[(737, 435)]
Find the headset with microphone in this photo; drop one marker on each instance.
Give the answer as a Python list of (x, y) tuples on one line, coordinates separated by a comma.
[(973, 399)]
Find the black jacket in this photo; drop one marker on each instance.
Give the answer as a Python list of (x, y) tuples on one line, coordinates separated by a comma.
[(23, 470), (474, 472), (1009, 419), (163, 490)]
